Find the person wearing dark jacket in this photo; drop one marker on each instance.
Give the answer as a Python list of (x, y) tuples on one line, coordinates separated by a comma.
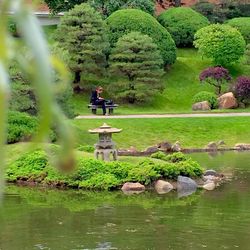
[(96, 99)]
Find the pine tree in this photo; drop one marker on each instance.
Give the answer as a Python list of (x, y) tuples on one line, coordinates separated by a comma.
[(82, 33), (139, 63)]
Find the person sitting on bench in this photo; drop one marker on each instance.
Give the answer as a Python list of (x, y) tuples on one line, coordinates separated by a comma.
[(96, 99)]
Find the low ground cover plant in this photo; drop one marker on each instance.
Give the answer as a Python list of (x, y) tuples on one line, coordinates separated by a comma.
[(95, 174)]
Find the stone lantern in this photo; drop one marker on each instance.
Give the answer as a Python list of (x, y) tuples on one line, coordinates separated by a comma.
[(105, 146)]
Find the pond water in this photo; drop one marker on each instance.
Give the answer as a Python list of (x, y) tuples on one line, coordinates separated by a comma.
[(52, 219)]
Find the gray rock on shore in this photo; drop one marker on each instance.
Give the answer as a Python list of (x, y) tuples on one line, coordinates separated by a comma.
[(185, 186)]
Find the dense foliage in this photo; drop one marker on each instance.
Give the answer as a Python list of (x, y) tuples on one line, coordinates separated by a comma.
[(216, 76), (105, 7), (125, 21), (247, 54), (242, 88), (21, 126), (219, 13), (94, 174), (206, 96), (82, 33), (137, 60), (182, 23), (243, 25), (222, 43)]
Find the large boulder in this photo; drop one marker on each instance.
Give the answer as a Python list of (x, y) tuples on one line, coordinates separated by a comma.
[(163, 187), (212, 146), (151, 150), (227, 101), (201, 106), (185, 186), (131, 186)]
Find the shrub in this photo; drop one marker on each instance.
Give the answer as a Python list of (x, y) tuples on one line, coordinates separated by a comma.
[(222, 43), (182, 23), (20, 126), (242, 88), (247, 54), (123, 22), (94, 174), (243, 25), (86, 148), (206, 96), (105, 7), (138, 61), (82, 33), (216, 76)]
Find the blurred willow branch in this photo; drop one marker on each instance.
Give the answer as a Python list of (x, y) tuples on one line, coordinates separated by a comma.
[(39, 68)]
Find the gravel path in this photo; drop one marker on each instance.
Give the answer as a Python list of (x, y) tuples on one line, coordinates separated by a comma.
[(164, 116)]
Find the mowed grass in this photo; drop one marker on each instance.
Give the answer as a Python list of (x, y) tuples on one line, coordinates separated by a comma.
[(181, 83), (190, 132)]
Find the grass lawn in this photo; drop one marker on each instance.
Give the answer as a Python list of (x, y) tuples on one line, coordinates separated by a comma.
[(190, 132), (181, 84)]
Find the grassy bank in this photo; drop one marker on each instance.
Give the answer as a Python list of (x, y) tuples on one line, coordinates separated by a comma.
[(181, 84), (190, 132)]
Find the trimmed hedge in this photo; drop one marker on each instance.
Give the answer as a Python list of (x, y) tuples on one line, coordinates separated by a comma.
[(125, 21), (182, 23), (94, 174), (243, 25)]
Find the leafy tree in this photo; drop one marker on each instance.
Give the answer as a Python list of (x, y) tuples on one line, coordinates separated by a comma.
[(62, 5), (105, 7), (182, 23), (216, 76), (138, 61), (222, 43), (82, 33), (125, 21), (242, 88), (243, 25)]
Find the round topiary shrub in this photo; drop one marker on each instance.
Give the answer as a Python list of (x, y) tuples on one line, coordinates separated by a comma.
[(125, 21), (206, 96), (182, 23), (243, 25), (222, 43)]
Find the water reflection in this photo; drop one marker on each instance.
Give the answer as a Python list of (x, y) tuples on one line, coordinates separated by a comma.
[(53, 219)]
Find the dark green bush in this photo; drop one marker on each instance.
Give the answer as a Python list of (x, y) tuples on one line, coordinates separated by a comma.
[(21, 126), (125, 21), (86, 148), (182, 23), (206, 96), (94, 174), (243, 25)]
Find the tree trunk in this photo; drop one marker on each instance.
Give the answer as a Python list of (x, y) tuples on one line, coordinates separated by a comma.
[(77, 77)]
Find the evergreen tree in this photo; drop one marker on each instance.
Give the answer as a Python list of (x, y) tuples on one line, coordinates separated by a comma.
[(82, 33), (138, 61)]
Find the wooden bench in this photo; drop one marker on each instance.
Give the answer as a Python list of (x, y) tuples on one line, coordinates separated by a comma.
[(109, 107)]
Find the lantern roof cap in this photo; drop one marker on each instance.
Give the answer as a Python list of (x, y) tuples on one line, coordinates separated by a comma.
[(104, 129)]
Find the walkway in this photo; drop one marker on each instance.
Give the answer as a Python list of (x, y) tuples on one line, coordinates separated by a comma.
[(164, 116)]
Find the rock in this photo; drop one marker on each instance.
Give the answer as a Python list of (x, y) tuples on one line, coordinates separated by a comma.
[(221, 143), (165, 146), (151, 150), (132, 149), (210, 172), (176, 147), (212, 146), (201, 106), (209, 186), (163, 187), (211, 178), (227, 101), (185, 186), (242, 146), (133, 187), (242, 105)]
